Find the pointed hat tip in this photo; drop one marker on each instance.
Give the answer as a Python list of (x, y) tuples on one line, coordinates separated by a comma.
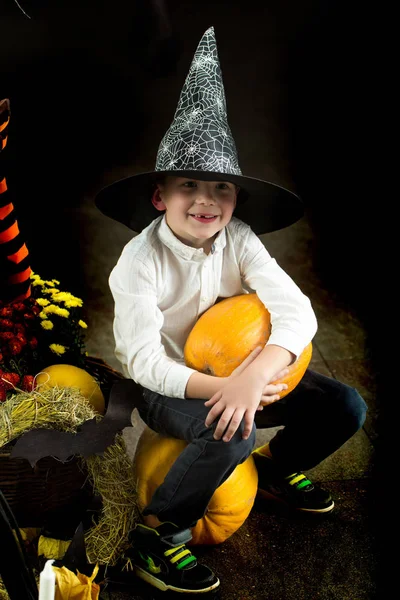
[(209, 31)]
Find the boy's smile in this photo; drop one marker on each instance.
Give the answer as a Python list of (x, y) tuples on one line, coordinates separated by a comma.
[(196, 210), (205, 218)]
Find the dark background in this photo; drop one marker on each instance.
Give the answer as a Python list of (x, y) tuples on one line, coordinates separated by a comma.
[(85, 79)]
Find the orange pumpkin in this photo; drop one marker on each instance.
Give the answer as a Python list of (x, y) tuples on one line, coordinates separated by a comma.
[(226, 334), (230, 505)]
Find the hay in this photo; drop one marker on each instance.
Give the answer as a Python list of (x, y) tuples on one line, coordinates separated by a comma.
[(3, 592), (111, 474), (58, 408), (113, 479)]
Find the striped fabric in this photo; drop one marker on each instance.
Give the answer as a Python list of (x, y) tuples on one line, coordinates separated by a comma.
[(14, 256)]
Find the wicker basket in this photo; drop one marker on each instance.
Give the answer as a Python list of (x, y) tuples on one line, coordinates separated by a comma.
[(35, 494)]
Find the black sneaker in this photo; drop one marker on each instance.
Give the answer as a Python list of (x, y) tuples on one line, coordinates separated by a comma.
[(160, 557), (295, 490)]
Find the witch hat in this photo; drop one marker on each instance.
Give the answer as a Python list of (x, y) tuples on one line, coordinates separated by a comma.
[(199, 145)]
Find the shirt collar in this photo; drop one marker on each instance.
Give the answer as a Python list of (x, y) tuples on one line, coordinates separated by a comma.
[(184, 251)]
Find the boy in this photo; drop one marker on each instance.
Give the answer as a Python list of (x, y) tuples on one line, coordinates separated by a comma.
[(200, 249)]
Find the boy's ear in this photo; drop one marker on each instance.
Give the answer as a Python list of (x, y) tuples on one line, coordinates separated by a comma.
[(156, 200)]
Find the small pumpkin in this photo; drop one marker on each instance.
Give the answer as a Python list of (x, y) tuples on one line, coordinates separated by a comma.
[(231, 502), (226, 334), (74, 377)]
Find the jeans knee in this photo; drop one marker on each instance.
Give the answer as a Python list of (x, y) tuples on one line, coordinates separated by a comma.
[(354, 408), (238, 448)]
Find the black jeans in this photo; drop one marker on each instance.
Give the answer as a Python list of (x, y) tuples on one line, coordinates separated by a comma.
[(318, 416)]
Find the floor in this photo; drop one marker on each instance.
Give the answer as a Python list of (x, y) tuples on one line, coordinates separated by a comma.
[(95, 129)]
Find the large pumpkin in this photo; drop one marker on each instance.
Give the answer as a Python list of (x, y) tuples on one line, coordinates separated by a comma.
[(230, 505), (226, 334)]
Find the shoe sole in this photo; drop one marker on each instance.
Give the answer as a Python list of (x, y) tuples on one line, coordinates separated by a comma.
[(161, 585), (269, 496)]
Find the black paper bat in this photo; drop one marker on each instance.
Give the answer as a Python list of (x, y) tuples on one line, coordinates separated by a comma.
[(91, 438)]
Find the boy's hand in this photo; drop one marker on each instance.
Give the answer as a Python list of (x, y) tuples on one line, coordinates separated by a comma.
[(227, 401), (237, 400), (271, 391)]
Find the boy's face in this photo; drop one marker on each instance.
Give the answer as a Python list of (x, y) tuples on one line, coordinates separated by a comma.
[(196, 210)]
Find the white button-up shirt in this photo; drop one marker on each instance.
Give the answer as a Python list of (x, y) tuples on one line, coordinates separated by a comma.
[(161, 287)]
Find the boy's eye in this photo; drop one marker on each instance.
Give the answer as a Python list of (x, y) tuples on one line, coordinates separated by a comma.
[(222, 186), (190, 184)]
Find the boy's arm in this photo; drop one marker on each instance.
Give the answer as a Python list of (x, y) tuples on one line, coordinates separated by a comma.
[(292, 317), (204, 386), (137, 330), (267, 369), (270, 361)]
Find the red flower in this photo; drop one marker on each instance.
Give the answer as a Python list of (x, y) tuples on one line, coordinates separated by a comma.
[(1, 357), (6, 324), (3, 393), (19, 328), (6, 336), (10, 380), (19, 306), (15, 347), (28, 316), (6, 312), (21, 338), (33, 343), (28, 383)]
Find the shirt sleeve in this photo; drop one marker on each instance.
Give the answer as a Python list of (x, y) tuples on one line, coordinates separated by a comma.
[(137, 324), (293, 320)]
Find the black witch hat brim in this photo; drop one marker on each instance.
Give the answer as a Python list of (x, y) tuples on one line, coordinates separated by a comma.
[(265, 206)]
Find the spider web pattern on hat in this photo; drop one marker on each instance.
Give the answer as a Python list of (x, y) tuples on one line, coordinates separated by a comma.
[(199, 138)]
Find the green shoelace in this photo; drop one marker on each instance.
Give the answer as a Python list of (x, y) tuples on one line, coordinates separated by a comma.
[(298, 481)]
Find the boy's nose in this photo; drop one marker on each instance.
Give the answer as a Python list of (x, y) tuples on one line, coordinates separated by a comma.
[(204, 198)]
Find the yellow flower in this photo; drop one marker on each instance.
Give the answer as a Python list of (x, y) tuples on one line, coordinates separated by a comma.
[(57, 349), (62, 312), (60, 296), (70, 330), (42, 301), (72, 302), (56, 310), (51, 308), (69, 300)]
